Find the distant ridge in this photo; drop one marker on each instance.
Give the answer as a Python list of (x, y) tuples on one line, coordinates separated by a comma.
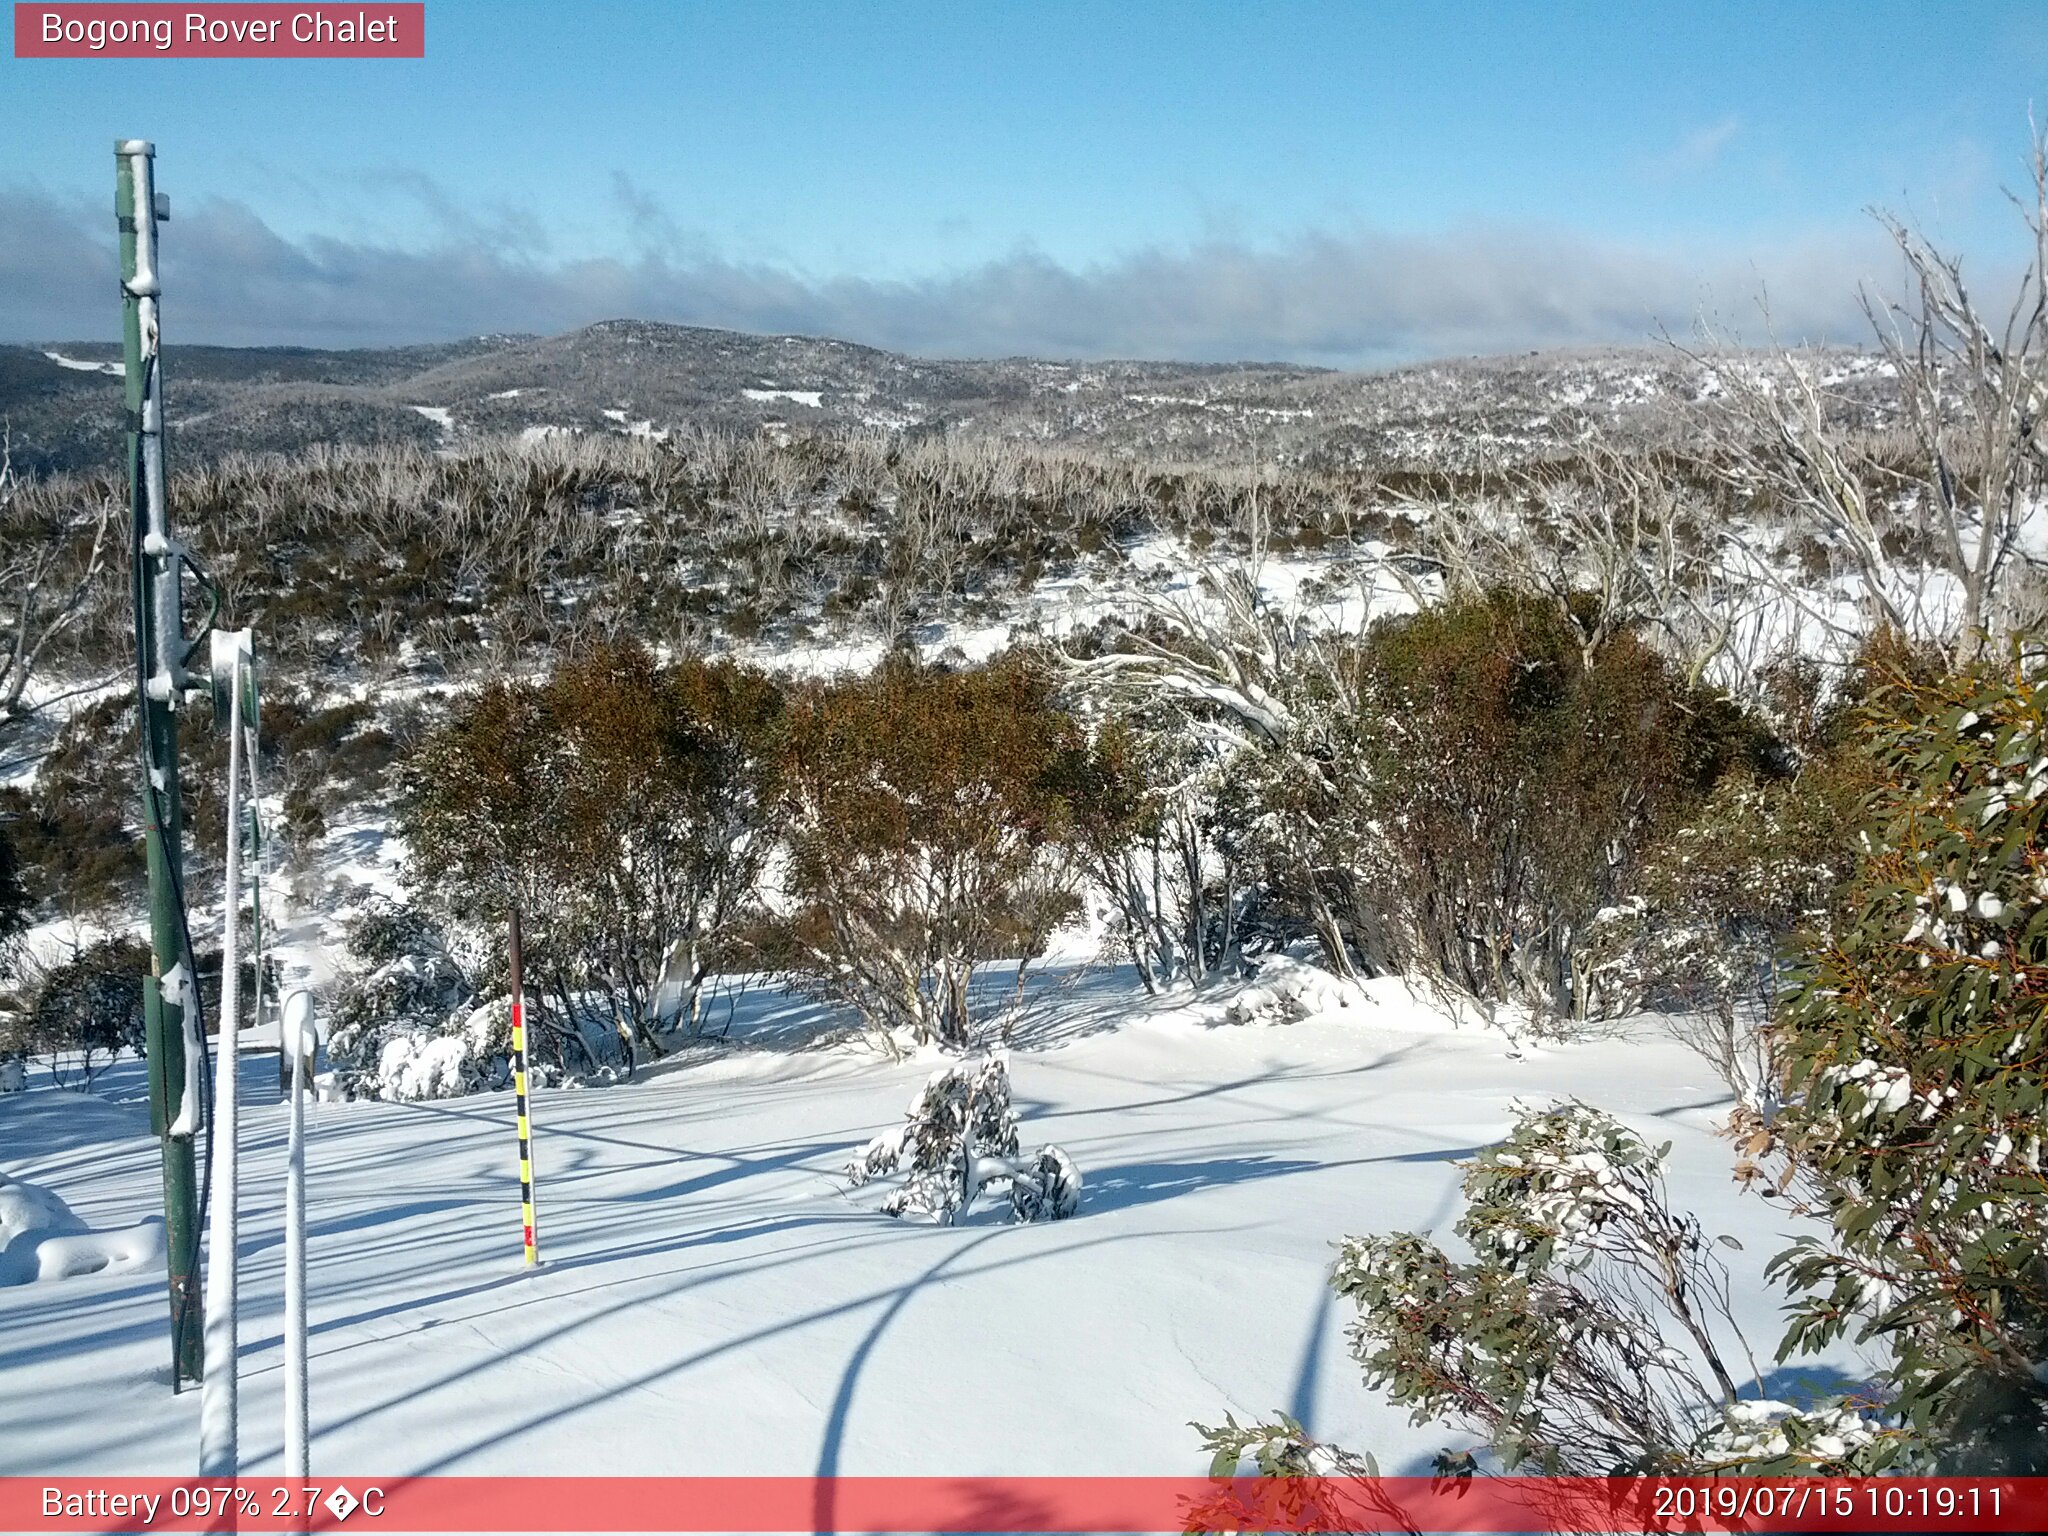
[(644, 377)]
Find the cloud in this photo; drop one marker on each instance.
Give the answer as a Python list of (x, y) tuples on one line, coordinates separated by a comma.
[(1696, 152), (1349, 298)]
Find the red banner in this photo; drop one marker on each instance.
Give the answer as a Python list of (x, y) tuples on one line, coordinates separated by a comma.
[(249, 31), (1020, 1504)]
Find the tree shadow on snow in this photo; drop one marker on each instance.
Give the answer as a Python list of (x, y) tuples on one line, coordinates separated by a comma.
[(1132, 1184), (823, 1499)]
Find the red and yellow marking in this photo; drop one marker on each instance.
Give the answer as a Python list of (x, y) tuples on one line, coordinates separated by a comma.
[(525, 1130)]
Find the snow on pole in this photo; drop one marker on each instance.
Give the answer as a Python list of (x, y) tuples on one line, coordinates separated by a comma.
[(297, 1035), (255, 849), (519, 1100), (218, 1453), (170, 998)]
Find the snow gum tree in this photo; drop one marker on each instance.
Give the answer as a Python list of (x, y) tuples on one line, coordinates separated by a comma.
[(1154, 836), (929, 830), (626, 808), (1916, 1053), (1192, 692), (1494, 791), (47, 582), (1933, 521)]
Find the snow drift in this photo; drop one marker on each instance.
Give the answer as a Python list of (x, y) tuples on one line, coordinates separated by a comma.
[(40, 1239)]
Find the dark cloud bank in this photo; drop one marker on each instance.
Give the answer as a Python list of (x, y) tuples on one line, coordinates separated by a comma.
[(1343, 300)]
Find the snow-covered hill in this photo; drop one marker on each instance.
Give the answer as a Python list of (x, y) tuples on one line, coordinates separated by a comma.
[(63, 399)]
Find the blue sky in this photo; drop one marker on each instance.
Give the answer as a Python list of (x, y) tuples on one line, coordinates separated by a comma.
[(1194, 179)]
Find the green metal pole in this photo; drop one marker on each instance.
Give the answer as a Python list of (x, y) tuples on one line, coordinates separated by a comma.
[(170, 993)]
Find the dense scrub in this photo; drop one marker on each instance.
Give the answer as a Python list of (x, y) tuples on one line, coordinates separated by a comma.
[(1498, 786), (1905, 1058), (623, 807), (929, 832), (404, 561)]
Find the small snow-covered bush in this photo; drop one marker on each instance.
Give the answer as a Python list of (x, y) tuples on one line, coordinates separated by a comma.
[(1284, 990), (1762, 1437), (958, 1138), (466, 1053), (409, 1021), (401, 1017), (1590, 1335)]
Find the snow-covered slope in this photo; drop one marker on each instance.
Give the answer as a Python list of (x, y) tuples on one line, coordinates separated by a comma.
[(714, 1300)]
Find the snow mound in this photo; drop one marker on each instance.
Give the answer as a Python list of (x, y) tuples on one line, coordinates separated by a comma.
[(40, 1239), (1288, 990), (470, 1053), (1285, 991)]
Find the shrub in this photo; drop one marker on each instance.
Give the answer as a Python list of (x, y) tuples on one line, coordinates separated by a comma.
[(408, 1021), (402, 989), (15, 909), (83, 1013), (74, 828), (1915, 1042), (625, 808), (1589, 1336), (1722, 903), (15, 905), (926, 835), (958, 1137), (1482, 790)]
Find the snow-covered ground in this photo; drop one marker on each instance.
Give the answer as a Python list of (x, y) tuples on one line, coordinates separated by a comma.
[(714, 1300)]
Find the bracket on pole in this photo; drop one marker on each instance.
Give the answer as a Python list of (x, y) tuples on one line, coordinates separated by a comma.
[(233, 657)]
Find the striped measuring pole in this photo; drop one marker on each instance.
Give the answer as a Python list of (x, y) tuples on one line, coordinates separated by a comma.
[(519, 1097)]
